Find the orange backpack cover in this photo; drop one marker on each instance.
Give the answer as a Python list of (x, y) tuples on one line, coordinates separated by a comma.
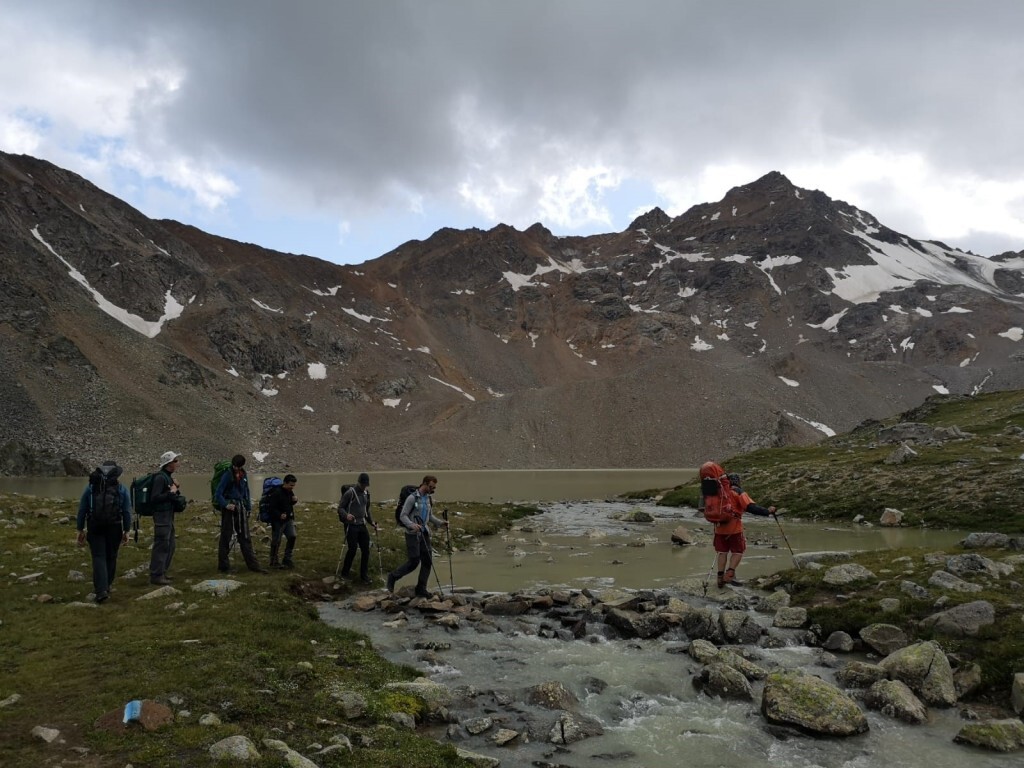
[(718, 500)]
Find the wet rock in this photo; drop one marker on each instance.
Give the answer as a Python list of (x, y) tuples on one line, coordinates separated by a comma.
[(478, 761), (478, 725), (925, 668), (997, 735), (884, 638), (504, 736), (838, 641), (506, 605), (553, 695), (891, 518), (682, 536), (772, 602), (860, 674), (642, 625), (810, 704), (723, 681), (572, 727), (790, 618), (701, 624), (894, 698), (238, 748), (739, 627), (964, 620), (364, 603)]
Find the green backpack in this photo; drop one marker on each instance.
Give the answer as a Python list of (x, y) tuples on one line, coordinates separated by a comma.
[(141, 493), (218, 472)]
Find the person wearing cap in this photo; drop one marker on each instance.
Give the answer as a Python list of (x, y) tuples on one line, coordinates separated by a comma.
[(282, 521), (106, 510), (167, 500), (235, 504), (354, 510)]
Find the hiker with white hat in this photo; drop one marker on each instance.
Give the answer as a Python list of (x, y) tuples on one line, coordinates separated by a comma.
[(167, 501)]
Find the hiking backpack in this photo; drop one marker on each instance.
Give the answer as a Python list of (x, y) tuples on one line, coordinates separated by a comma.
[(402, 496), (269, 486), (218, 472), (141, 493), (105, 502), (718, 500), (342, 511)]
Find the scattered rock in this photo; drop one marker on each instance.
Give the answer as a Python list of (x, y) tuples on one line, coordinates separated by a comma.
[(997, 735), (234, 748), (49, 735), (217, 587), (962, 620), (810, 704)]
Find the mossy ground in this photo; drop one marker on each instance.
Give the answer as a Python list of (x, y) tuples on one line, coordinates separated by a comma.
[(236, 656)]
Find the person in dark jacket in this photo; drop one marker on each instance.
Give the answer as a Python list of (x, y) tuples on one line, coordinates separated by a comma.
[(235, 504), (282, 521), (105, 509), (354, 510), (167, 502)]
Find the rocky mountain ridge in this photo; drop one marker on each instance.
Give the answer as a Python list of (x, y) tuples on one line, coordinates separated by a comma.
[(772, 317)]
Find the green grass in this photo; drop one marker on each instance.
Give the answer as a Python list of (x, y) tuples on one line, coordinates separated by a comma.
[(972, 484), (236, 656)]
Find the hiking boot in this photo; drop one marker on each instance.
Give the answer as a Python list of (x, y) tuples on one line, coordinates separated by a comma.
[(257, 568), (287, 564), (391, 583), (721, 580), (160, 581), (102, 597), (422, 593), (365, 580), (730, 578)]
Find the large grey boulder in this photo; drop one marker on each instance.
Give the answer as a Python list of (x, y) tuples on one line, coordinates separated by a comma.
[(946, 580), (894, 698), (723, 681), (847, 573), (572, 727), (985, 541), (632, 624), (997, 735), (973, 563), (434, 695), (238, 748), (553, 695), (860, 674), (790, 618), (884, 638), (838, 641), (962, 620), (925, 668), (810, 704), (739, 627)]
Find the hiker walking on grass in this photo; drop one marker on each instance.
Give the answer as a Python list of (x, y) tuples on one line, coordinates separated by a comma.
[(723, 495), (235, 504), (282, 521), (167, 501), (416, 513), (105, 509), (354, 511)]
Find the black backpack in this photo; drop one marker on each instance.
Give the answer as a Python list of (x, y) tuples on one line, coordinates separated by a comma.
[(402, 496), (105, 503)]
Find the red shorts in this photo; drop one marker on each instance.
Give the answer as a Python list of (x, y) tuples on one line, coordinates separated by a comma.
[(730, 542)]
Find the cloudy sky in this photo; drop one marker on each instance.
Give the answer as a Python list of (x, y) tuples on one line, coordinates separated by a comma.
[(342, 129)]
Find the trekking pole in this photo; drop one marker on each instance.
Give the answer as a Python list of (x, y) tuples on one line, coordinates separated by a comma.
[(374, 543), (448, 534), (426, 543), (707, 580), (786, 539)]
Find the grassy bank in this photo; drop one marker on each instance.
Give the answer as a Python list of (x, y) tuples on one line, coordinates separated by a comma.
[(970, 483), (257, 658)]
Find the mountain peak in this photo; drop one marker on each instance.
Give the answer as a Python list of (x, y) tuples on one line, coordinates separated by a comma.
[(651, 221)]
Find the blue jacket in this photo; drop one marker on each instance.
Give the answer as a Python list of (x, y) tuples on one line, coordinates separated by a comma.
[(85, 507), (229, 491)]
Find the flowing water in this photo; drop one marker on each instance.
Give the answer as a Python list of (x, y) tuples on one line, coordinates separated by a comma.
[(651, 714)]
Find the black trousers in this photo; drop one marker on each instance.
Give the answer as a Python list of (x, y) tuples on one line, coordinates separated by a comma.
[(104, 542), (357, 536), (231, 523), (417, 548)]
